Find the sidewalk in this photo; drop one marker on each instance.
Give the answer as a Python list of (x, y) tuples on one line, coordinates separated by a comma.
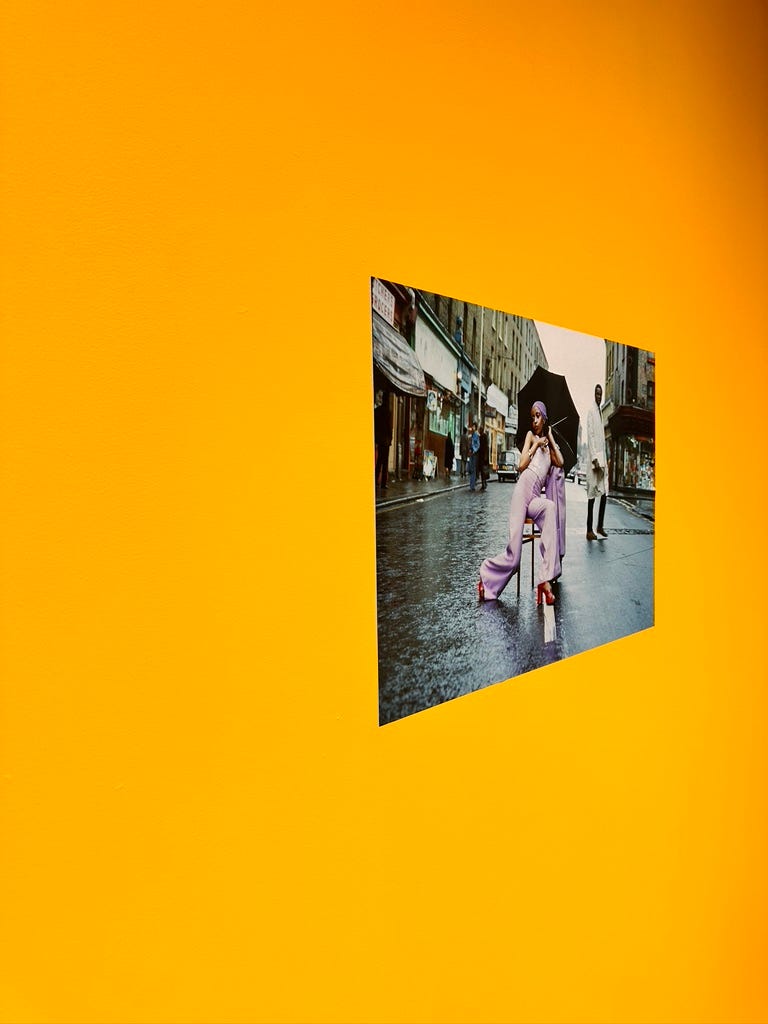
[(400, 491)]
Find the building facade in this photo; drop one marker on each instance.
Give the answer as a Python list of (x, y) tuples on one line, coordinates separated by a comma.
[(629, 412), (397, 374), (473, 360), (441, 358), (498, 353)]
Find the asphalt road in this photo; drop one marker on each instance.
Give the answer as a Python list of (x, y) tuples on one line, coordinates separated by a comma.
[(436, 641)]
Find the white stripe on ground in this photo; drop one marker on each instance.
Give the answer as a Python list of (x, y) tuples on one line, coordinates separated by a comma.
[(550, 629)]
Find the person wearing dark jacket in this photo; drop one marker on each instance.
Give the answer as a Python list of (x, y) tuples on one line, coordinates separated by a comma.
[(382, 435), (464, 450), (474, 456), (449, 453), (483, 459)]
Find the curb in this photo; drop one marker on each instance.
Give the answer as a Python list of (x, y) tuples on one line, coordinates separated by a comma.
[(411, 498), (650, 517)]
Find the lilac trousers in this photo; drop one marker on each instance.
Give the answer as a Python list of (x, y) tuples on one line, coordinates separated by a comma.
[(527, 502)]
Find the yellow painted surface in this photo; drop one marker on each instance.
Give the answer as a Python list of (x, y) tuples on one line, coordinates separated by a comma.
[(201, 820)]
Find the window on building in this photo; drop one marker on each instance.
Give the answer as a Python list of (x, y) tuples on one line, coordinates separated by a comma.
[(442, 421)]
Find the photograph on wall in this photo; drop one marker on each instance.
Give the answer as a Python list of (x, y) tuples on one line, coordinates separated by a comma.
[(514, 494)]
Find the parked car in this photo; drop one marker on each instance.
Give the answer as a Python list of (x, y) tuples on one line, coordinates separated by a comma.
[(507, 469), (571, 474), (581, 475)]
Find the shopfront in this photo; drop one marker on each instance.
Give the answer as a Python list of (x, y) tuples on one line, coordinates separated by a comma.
[(496, 410), (443, 410), (440, 357), (631, 433), (464, 376), (398, 374)]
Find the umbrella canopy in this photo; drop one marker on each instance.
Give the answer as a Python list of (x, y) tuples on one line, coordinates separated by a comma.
[(552, 390)]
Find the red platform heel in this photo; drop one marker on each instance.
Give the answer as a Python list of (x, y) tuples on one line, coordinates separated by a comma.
[(549, 597), (480, 591)]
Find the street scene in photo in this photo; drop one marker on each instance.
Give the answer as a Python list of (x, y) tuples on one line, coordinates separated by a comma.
[(515, 493)]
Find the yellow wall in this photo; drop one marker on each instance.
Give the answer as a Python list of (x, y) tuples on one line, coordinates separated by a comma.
[(201, 819)]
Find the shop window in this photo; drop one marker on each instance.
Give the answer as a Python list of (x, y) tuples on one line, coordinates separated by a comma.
[(636, 463), (442, 420)]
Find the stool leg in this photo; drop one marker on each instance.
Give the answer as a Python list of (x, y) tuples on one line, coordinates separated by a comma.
[(526, 539), (533, 552), (520, 567)]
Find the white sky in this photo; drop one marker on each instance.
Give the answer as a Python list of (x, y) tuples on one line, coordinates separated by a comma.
[(580, 358)]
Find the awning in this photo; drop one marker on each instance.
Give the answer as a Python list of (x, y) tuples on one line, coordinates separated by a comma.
[(495, 397), (396, 359), (630, 419)]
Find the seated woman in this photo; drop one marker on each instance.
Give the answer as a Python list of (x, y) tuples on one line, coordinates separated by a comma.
[(540, 455)]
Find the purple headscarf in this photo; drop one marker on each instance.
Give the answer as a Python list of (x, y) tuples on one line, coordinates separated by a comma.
[(541, 407)]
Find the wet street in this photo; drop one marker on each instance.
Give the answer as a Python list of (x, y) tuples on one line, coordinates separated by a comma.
[(436, 641)]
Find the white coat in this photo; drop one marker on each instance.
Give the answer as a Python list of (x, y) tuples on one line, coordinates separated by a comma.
[(597, 479)]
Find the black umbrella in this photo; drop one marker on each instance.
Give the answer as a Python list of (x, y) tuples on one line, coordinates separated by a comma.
[(552, 390)]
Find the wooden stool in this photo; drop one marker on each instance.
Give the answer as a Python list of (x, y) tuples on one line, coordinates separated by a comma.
[(529, 537)]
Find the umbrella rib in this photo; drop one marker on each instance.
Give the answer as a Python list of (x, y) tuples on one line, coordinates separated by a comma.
[(563, 441)]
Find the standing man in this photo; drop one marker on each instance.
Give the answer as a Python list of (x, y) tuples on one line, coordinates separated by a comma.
[(382, 431), (483, 458), (464, 451), (474, 455), (596, 470)]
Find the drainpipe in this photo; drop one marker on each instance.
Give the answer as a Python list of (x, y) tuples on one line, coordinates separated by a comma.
[(480, 374), (458, 337)]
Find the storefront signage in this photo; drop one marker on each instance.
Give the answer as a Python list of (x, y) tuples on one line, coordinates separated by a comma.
[(383, 301)]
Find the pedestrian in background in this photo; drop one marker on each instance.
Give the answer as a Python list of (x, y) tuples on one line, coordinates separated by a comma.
[(382, 434), (474, 448), (418, 461), (540, 455), (484, 458), (464, 451), (449, 454), (597, 484)]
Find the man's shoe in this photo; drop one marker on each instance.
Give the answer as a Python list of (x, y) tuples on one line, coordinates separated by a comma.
[(601, 531), (591, 535)]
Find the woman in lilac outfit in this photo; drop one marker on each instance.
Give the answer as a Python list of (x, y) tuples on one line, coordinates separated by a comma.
[(540, 453)]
